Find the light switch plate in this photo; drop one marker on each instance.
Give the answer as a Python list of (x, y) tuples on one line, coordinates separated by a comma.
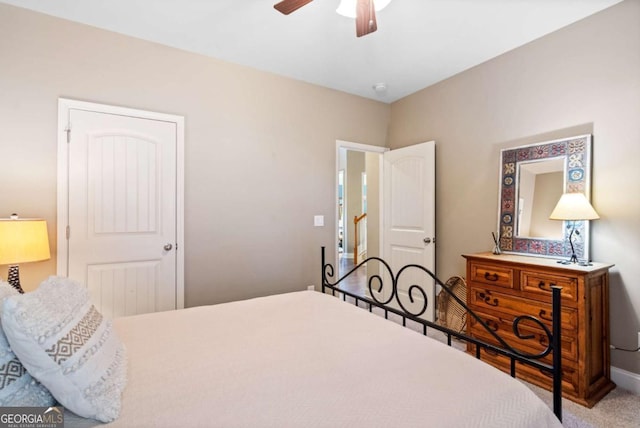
[(318, 220)]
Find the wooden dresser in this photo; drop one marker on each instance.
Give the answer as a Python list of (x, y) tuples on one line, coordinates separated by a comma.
[(501, 287)]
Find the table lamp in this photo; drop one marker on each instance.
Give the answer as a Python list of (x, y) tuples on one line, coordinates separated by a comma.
[(22, 241), (573, 207)]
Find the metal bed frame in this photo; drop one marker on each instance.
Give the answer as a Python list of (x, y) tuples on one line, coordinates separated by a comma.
[(553, 335)]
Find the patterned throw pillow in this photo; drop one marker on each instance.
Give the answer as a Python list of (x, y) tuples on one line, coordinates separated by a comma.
[(17, 387), (67, 345)]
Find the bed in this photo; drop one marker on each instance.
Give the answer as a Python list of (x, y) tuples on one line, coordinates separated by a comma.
[(306, 359)]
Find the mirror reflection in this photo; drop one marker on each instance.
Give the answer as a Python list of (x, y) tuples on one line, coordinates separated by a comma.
[(540, 185)]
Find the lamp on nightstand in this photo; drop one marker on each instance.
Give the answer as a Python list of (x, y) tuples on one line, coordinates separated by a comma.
[(22, 241), (573, 207)]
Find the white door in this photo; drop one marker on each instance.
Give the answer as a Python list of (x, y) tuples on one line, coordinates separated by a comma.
[(409, 220), (122, 210)]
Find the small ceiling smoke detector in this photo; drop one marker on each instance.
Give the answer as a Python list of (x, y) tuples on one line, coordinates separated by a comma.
[(380, 87)]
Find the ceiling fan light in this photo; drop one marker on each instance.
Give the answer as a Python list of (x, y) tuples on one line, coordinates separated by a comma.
[(348, 7)]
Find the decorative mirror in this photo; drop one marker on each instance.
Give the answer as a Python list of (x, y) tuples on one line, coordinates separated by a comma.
[(532, 179)]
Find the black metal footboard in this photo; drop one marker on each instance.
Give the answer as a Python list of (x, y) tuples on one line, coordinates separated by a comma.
[(376, 286)]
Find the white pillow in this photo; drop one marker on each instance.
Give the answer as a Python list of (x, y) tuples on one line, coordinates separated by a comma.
[(17, 387), (67, 345)]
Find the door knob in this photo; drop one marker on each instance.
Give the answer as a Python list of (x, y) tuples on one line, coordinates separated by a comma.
[(427, 240), (168, 247)]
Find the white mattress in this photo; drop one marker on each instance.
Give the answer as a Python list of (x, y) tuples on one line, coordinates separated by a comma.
[(306, 360)]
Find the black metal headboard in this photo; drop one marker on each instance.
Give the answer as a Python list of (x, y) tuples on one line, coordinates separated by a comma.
[(376, 285)]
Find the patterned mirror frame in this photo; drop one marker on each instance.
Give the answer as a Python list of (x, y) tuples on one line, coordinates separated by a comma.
[(577, 175)]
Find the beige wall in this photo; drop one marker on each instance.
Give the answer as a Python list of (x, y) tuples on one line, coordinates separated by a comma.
[(374, 210), (254, 133), (353, 192), (260, 149), (372, 162), (581, 79)]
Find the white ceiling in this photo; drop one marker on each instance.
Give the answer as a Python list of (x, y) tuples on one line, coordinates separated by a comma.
[(418, 42)]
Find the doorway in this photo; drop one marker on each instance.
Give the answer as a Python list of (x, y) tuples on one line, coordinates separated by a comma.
[(120, 206), (397, 193), (358, 216)]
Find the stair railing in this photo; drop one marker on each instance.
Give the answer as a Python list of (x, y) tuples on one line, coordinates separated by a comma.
[(356, 220)]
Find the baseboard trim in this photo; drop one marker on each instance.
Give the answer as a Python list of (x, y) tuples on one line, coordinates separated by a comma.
[(626, 380)]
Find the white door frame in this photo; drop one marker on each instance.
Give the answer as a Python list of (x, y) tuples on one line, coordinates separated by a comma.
[(358, 147), (64, 105)]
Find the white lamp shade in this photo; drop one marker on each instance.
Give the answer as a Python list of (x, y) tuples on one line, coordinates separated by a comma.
[(573, 206), (348, 7), (23, 240)]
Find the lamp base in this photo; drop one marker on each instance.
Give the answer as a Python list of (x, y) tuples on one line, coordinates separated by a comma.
[(13, 278), (574, 260)]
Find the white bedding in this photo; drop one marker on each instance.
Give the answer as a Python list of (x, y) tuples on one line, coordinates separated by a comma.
[(306, 360)]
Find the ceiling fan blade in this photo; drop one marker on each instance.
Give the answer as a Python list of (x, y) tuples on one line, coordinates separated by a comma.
[(365, 18), (288, 6)]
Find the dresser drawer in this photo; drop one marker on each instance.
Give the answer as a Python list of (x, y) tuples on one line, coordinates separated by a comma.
[(490, 301), (503, 327), (493, 275), (570, 374), (540, 284)]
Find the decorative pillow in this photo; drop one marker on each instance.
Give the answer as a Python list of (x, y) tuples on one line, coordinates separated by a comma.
[(17, 387), (67, 345)]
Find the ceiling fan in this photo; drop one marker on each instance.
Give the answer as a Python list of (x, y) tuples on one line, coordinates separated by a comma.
[(365, 13)]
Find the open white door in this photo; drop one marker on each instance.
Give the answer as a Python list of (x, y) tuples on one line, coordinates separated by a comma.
[(409, 219), (119, 207)]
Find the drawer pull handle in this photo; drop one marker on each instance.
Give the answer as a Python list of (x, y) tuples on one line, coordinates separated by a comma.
[(492, 325), (545, 373), (491, 276), (488, 299), (543, 314), (566, 375), (543, 286)]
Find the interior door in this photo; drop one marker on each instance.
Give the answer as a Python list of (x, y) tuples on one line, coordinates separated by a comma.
[(122, 187), (409, 220)]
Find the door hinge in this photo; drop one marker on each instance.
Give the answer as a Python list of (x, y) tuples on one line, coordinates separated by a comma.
[(68, 131), (68, 232)]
